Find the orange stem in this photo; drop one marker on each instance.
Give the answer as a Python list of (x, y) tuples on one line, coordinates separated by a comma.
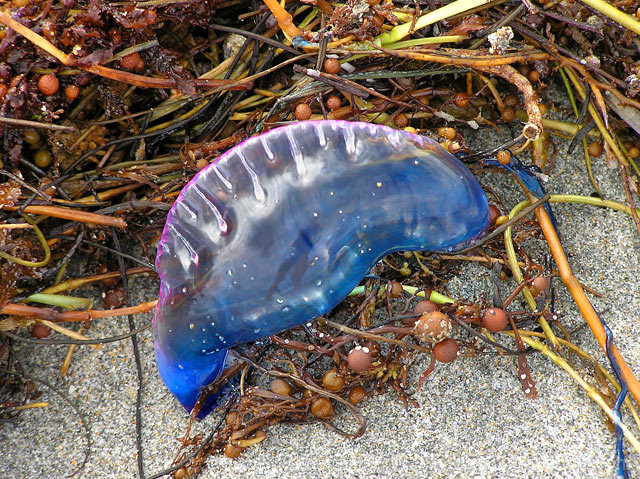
[(36, 39), (16, 309), (154, 82), (48, 314), (73, 215), (284, 18), (108, 313), (579, 296)]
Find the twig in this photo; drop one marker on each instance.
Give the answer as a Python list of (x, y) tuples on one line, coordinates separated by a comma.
[(16, 226), (35, 124), (73, 215), (49, 314), (66, 331), (534, 128)]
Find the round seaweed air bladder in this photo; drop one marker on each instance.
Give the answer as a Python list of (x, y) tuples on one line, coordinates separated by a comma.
[(282, 227)]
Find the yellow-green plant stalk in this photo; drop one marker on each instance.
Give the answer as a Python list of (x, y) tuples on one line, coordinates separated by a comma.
[(442, 13)]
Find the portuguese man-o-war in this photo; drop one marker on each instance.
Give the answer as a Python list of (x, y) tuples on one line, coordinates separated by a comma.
[(281, 228)]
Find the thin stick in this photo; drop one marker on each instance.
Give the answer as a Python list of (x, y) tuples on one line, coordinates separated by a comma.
[(73, 215), (32, 405), (16, 226), (35, 124), (35, 39), (140, 308), (68, 332), (49, 314)]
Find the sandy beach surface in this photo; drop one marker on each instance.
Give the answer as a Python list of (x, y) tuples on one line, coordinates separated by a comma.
[(473, 420)]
